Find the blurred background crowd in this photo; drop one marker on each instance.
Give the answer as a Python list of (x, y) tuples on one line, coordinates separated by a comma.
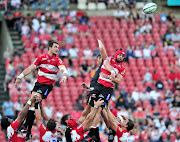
[(150, 91)]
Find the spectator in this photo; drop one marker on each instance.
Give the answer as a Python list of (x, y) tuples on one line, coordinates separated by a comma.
[(144, 95), (155, 75), (35, 24), (69, 39), (147, 76), (174, 114), (25, 29), (78, 105), (126, 14), (163, 17), (123, 112), (154, 96), (129, 52), (49, 110), (18, 106), (146, 28), (84, 69), (171, 76), (63, 13), (17, 15), (146, 52), (79, 14), (72, 72), (7, 54), (73, 52), (8, 16), (16, 4), (121, 4), (138, 52), (58, 115), (159, 85), (83, 28), (175, 85), (8, 109), (63, 52), (136, 94), (111, 3), (139, 115), (170, 17), (85, 18), (92, 68), (131, 4), (120, 103), (87, 53), (118, 14), (72, 14), (38, 14), (175, 37)]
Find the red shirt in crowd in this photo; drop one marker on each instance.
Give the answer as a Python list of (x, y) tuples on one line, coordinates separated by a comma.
[(83, 28), (155, 76), (172, 76), (138, 114)]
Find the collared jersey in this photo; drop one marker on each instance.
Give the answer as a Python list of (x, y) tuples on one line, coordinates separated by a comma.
[(47, 68), (117, 67)]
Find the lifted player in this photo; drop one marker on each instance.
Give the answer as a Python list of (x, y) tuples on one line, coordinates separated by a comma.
[(12, 127), (48, 65)]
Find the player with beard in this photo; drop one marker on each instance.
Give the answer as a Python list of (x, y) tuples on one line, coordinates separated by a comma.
[(12, 127), (47, 65)]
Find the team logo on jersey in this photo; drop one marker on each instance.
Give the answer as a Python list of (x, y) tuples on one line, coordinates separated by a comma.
[(120, 129)]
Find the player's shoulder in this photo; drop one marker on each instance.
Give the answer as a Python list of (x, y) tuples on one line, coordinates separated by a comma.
[(43, 56), (122, 66)]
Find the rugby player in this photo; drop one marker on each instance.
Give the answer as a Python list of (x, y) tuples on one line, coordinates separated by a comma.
[(12, 127), (47, 65)]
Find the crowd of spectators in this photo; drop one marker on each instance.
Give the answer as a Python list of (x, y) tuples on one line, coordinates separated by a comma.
[(154, 108)]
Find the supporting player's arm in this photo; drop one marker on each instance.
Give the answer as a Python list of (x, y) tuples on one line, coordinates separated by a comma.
[(38, 117), (105, 117), (64, 72), (102, 50), (84, 113), (112, 122), (27, 71), (92, 114), (21, 117), (44, 116)]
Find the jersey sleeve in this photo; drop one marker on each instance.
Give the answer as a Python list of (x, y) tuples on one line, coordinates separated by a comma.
[(59, 62), (81, 130), (37, 61), (15, 125), (42, 129)]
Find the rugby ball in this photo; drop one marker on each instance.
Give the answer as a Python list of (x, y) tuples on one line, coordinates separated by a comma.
[(149, 8)]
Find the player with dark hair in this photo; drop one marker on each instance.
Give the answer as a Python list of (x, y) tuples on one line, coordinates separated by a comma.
[(48, 132), (12, 127), (75, 130), (48, 65)]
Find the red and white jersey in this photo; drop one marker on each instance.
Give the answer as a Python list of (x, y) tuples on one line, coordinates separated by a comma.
[(77, 134), (46, 135), (47, 68), (13, 135), (121, 135), (117, 67)]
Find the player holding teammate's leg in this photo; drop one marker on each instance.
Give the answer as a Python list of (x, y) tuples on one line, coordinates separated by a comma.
[(12, 127), (47, 65)]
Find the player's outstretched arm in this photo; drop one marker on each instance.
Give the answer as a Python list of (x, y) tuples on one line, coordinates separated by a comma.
[(105, 117), (21, 117), (112, 122), (84, 114), (27, 71), (91, 115), (102, 50), (64, 72)]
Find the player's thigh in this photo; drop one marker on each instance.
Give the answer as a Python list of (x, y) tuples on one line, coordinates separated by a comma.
[(106, 94)]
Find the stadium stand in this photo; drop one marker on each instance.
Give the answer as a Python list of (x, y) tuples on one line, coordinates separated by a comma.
[(150, 90)]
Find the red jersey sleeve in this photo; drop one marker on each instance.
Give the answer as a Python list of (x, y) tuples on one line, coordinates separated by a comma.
[(122, 134), (59, 62), (81, 130), (37, 61), (15, 125), (42, 129)]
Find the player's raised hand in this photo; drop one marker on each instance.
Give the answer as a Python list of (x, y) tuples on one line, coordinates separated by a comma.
[(101, 45), (17, 82), (99, 103), (63, 79), (84, 85)]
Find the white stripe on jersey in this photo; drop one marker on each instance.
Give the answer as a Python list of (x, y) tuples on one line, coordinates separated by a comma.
[(49, 67), (47, 75)]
